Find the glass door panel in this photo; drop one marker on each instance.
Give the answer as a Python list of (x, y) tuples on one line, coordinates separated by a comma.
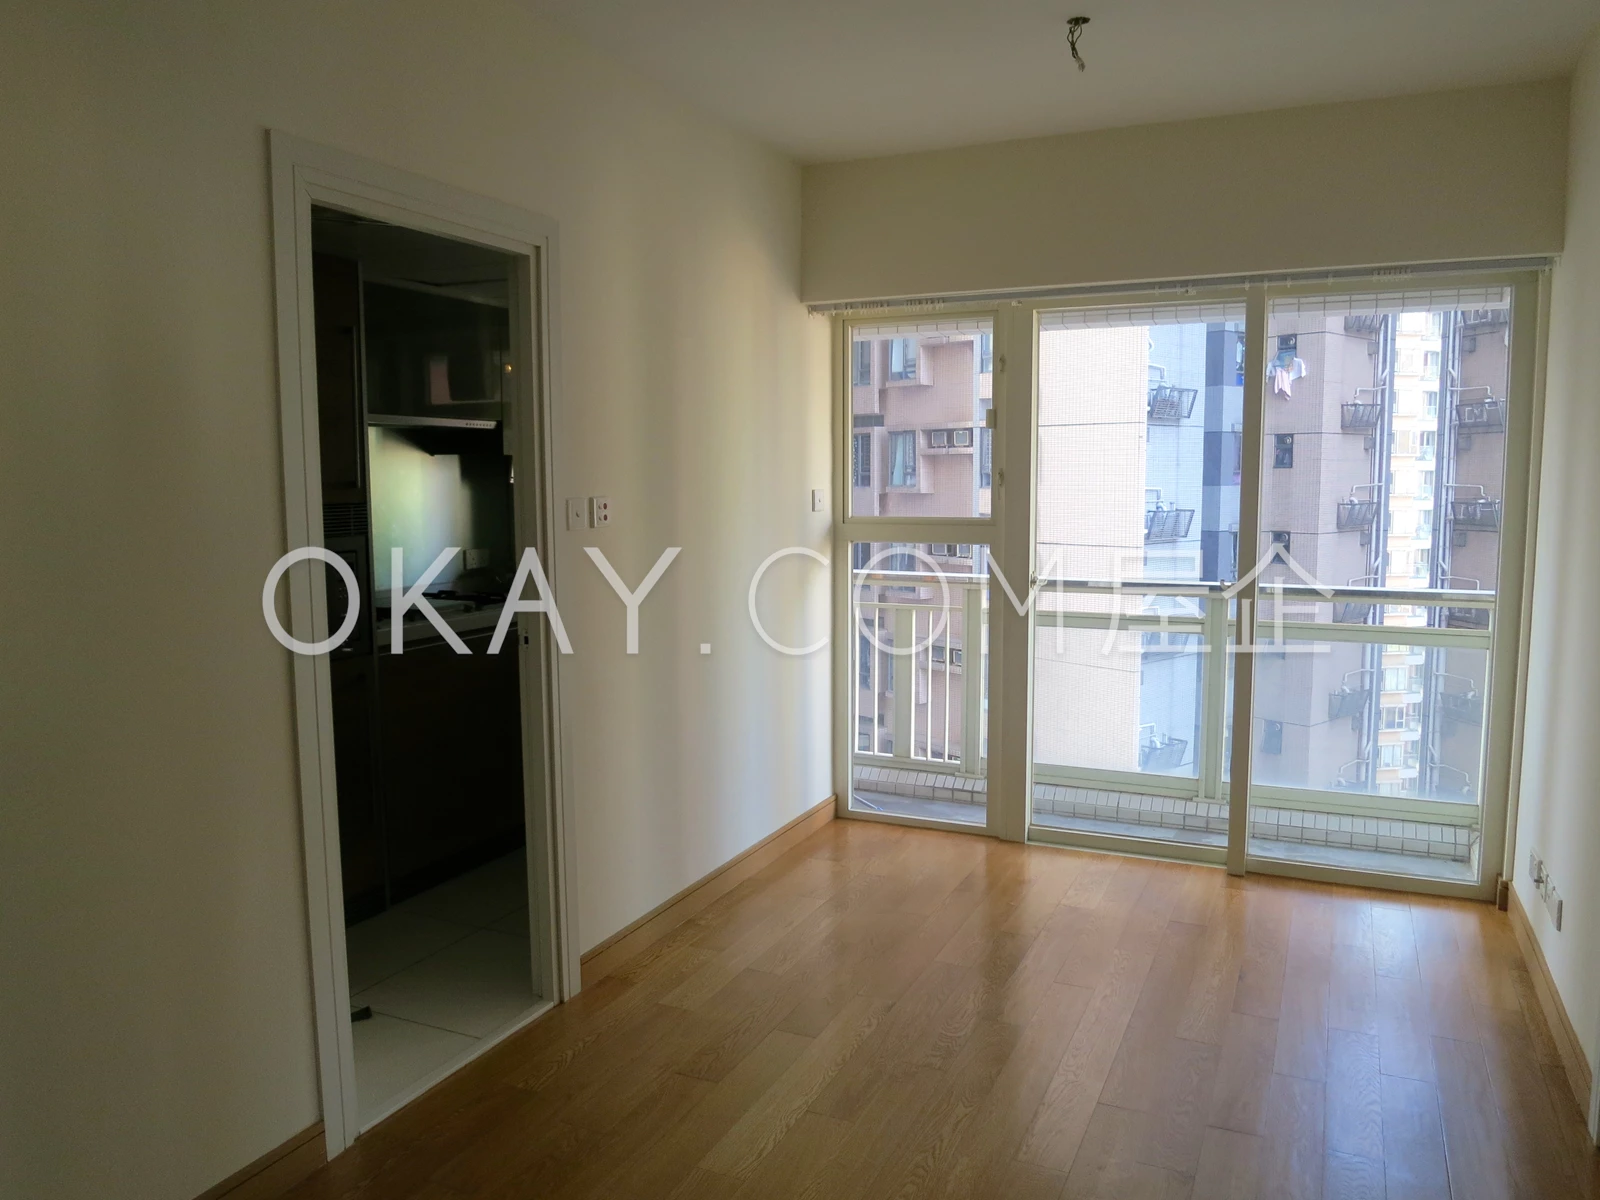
[(920, 680), (920, 393), (1383, 461), (1137, 510)]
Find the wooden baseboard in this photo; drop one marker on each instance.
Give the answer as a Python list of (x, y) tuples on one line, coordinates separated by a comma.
[(1555, 1012), (276, 1171), (604, 958)]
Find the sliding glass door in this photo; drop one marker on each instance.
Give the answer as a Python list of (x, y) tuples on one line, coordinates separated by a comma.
[(1266, 554), (1136, 493), (1383, 502)]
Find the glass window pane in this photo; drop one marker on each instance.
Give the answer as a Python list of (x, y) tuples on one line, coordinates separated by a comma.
[(920, 664), (1138, 443), (1396, 409), (1397, 419), (919, 395)]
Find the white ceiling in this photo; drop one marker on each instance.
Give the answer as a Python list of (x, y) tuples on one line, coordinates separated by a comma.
[(829, 79)]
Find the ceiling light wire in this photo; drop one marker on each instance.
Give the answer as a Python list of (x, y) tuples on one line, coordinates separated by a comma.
[(1074, 32)]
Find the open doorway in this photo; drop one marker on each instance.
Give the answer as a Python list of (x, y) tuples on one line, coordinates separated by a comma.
[(413, 346), (416, 337)]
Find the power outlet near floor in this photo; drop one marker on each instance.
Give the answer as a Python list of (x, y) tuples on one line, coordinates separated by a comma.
[(1540, 879), (599, 511)]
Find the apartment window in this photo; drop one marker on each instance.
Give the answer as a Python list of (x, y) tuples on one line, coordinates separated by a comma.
[(986, 457), (961, 437), (903, 359), (1430, 364), (1394, 716), (1283, 450), (1394, 679), (1280, 544), (1431, 402), (939, 439), (1425, 487), (861, 364), (986, 353), (861, 461), (1389, 755), (1424, 561), (902, 459), (1408, 361), (1427, 443)]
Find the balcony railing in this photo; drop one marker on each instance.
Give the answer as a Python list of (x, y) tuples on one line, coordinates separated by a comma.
[(1167, 524), (920, 690), (1367, 323), (1352, 698), (1480, 416), (1160, 752), (1357, 417), (1355, 514), (1170, 404), (1475, 511)]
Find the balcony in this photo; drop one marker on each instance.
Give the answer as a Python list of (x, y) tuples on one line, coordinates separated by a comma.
[(1356, 612), (1357, 417), (1487, 415), (1478, 511), (1170, 404), (1358, 512), (1460, 700), (1367, 324), (1352, 698), (1162, 524), (1160, 752)]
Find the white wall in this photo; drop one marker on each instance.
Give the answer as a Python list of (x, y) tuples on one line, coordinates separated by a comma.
[(1451, 175), (155, 1009), (1559, 815)]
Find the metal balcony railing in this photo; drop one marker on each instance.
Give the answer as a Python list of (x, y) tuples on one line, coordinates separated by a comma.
[(1460, 699), (1355, 514), (1160, 752), (1170, 404), (1480, 416), (1352, 698), (1356, 612), (1478, 510), (1367, 323), (1167, 524), (1357, 417)]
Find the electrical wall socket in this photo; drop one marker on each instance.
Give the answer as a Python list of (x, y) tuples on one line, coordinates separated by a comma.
[(599, 511), (1540, 878), (577, 512)]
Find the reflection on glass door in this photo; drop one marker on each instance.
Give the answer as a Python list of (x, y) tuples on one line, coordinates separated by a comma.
[(1137, 493), (1383, 463)]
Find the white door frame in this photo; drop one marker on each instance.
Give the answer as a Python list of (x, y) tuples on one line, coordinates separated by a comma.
[(304, 174)]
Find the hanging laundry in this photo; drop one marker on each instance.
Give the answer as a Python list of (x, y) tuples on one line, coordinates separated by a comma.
[(1285, 369)]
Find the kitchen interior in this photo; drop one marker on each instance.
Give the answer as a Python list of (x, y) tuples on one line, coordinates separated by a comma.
[(413, 353)]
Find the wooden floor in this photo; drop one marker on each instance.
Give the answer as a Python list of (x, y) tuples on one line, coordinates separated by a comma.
[(895, 1013)]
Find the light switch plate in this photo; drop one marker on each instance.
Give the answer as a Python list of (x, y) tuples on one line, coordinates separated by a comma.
[(577, 512), (817, 499), (599, 511)]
